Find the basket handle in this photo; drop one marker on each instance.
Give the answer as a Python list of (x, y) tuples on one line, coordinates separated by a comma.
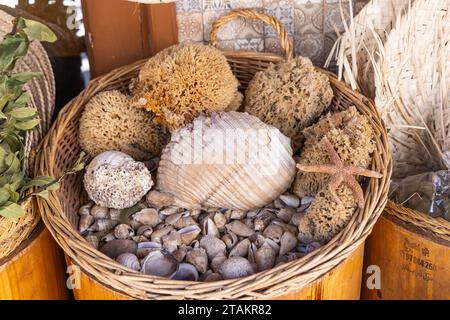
[(286, 43)]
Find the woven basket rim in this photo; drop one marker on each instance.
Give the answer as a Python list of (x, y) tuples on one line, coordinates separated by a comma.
[(298, 273)]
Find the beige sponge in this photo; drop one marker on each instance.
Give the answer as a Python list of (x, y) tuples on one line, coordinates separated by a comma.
[(109, 122), (290, 96), (184, 81)]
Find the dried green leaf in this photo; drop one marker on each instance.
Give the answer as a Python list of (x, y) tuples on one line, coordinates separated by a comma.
[(22, 113), (11, 210), (38, 31), (27, 125)]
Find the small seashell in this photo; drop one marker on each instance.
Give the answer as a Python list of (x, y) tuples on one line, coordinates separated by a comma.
[(287, 243), (241, 249), (159, 233), (249, 223), (290, 200), (123, 231), (184, 222), (170, 210), (263, 219), (171, 241), (144, 248), (237, 214), (92, 240), (210, 228), (129, 260), (251, 255), (265, 257), (286, 227), (139, 239), (159, 200), (172, 219), (306, 200), (145, 231), (135, 224), (291, 256), (186, 272), (252, 213), (149, 217), (296, 217), (212, 277), (108, 237), (239, 228), (114, 214), (85, 209), (180, 253), (160, 263), (115, 248), (278, 204), (198, 258), (230, 239), (85, 223), (195, 213), (273, 232), (220, 221), (285, 214), (212, 245), (189, 234), (308, 248), (236, 267), (217, 261), (102, 225), (99, 212)]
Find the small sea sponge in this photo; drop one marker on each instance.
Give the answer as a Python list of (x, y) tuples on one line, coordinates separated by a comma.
[(325, 218), (290, 96), (109, 122), (184, 81), (351, 135)]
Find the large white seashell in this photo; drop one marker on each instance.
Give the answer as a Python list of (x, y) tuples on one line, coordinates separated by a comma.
[(227, 160)]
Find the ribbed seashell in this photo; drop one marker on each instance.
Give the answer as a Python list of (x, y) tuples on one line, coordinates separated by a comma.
[(85, 223), (220, 221), (160, 263), (171, 241), (230, 239), (217, 261), (290, 200), (286, 226), (239, 228), (212, 245), (85, 209), (180, 253), (210, 228), (147, 216), (184, 222), (108, 237), (114, 214), (236, 267), (123, 231), (115, 248), (92, 240), (285, 214), (212, 277), (145, 231), (144, 248), (159, 200), (265, 257), (102, 225), (241, 249), (263, 159), (171, 210), (129, 260), (159, 233), (287, 243), (186, 272), (263, 219), (198, 258), (189, 234), (99, 212), (273, 232)]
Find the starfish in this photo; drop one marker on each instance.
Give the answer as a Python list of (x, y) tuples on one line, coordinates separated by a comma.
[(340, 174)]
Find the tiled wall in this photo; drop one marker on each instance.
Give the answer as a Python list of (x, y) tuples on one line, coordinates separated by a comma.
[(311, 24)]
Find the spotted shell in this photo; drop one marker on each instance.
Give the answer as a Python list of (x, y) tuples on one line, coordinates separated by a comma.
[(226, 160)]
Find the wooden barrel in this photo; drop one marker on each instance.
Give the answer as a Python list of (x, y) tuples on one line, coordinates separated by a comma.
[(341, 283), (413, 264), (35, 270)]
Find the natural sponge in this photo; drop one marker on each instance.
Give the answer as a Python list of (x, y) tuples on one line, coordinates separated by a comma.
[(109, 122), (184, 81), (325, 217), (351, 135), (290, 96)]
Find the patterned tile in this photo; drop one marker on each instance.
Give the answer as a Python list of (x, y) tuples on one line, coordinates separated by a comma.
[(308, 18), (209, 5), (236, 29), (190, 27), (285, 15), (239, 4), (273, 45), (333, 16), (255, 44), (189, 6), (310, 45)]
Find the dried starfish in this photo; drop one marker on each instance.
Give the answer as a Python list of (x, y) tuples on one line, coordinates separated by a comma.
[(340, 174)]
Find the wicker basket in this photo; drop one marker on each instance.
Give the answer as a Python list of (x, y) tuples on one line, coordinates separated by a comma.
[(61, 149), (42, 92)]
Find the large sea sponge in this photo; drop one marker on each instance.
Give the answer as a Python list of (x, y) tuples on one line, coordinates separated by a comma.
[(184, 81), (290, 96), (109, 122)]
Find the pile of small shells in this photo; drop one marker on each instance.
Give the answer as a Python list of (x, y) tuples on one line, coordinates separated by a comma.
[(208, 245)]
